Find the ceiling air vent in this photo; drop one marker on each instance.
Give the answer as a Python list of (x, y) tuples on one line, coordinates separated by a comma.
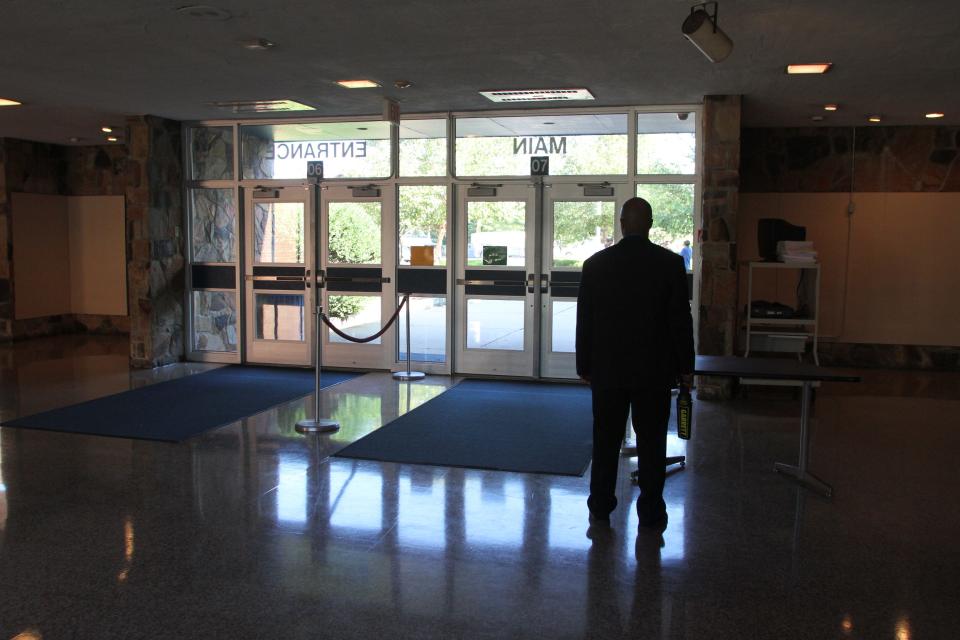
[(262, 106), (536, 95)]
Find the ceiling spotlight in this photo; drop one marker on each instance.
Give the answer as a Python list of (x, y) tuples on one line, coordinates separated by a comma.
[(402, 84), (106, 129), (358, 84), (701, 29), (808, 68), (874, 118), (7, 102), (112, 139), (829, 107), (934, 115)]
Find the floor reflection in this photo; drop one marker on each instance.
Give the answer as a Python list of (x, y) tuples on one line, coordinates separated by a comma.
[(252, 529)]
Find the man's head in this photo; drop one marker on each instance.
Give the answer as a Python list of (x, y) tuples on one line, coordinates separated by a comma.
[(636, 217), (686, 243)]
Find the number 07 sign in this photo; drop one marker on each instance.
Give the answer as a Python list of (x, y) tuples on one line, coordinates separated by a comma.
[(539, 165)]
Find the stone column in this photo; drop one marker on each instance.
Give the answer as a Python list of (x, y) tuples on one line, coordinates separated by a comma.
[(155, 263), (717, 244)]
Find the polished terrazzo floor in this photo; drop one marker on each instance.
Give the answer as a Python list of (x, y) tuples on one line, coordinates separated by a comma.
[(252, 531)]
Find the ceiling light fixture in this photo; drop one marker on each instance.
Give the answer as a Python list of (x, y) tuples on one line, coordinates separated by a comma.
[(358, 84), (262, 106), (75, 139), (106, 129), (933, 115), (7, 102), (817, 118), (809, 68), (701, 29), (830, 107), (402, 84), (874, 118), (536, 95), (113, 139)]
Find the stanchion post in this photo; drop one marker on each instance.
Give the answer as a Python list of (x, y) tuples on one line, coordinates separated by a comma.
[(408, 374), (317, 424)]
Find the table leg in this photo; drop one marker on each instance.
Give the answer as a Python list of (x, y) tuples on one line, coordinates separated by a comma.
[(799, 472)]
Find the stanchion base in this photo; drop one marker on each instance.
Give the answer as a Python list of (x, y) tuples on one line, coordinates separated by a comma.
[(317, 426), (805, 478), (409, 375)]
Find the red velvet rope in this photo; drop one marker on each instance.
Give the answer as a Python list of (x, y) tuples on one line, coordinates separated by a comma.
[(345, 336)]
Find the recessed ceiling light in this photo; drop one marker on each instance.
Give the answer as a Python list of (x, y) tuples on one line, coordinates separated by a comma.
[(106, 129), (258, 44), (7, 102), (934, 114), (75, 139), (874, 118), (817, 118), (112, 139), (358, 84), (829, 107), (812, 67)]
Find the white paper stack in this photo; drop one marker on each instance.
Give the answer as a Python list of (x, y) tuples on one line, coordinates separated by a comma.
[(796, 252)]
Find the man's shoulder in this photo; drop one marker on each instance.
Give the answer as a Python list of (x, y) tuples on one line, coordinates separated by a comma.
[(600, 256)]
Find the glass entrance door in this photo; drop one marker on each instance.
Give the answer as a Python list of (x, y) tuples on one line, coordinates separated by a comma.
[(578, 221), (495, 294), (358, 285), (278, 251)]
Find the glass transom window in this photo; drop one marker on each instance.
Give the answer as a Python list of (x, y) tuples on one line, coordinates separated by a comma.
[(589, 144), (347, 150)]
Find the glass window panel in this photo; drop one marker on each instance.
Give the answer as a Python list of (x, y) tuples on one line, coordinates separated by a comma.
[(215, 321), (666, 144), (211, 153), (279, 316), (500, 223), (580, 229), (423, 148), (592, 144), (357, 316), (278, 233), (495, 324), (672, 206), (428, 330), (563, 326), (347, 149), (423, 221), (213, 225), (353, 232)]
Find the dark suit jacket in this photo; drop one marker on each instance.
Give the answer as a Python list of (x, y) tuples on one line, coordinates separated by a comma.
[(633, 317)]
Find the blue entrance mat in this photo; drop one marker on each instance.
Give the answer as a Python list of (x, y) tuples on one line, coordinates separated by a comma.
[(479, 424), (179, 409)]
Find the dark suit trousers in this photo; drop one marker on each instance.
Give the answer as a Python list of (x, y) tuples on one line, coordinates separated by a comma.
[(651, 413)]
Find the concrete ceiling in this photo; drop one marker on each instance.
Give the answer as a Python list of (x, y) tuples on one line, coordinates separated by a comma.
[(77, 65)]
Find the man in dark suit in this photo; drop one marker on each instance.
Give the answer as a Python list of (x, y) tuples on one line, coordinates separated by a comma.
[(634, 343)]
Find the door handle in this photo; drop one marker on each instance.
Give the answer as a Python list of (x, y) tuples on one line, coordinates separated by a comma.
[(544, 283)]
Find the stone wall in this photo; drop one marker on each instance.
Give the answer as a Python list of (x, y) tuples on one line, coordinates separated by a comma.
[(717, 319), (817, 159), (147, 172)]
